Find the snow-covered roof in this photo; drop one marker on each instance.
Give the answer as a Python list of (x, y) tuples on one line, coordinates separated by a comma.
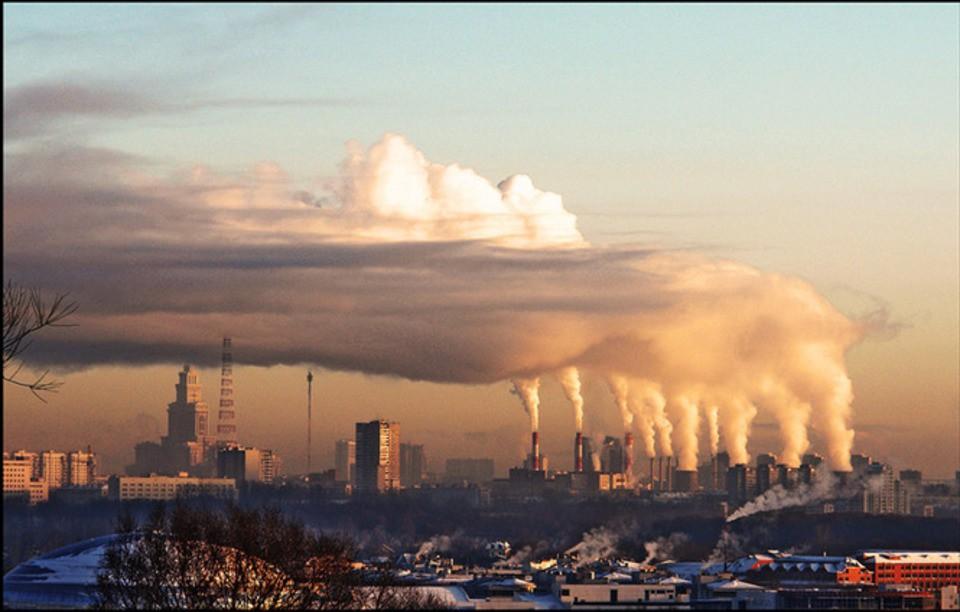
[(674, 580), (739, 566), (65, 577), (616, 577), (910, 556), (831, 565), (733, 585)]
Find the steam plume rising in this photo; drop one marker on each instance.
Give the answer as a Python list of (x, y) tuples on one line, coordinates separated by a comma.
[(620, 389), (737, 414), (413, 258), (712, 413), (641, 403), (528, 389), (777, 497), (688, 425), (570, 380)]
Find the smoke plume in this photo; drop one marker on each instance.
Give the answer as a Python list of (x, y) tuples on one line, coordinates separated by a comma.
[(662, 548), (528, 389), (712, 413), (598, 543), (421, 270), (570, 381), (620, 389), (688, 425), (777, 497)]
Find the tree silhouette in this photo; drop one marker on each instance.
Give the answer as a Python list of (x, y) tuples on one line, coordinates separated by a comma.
[(25, 313)]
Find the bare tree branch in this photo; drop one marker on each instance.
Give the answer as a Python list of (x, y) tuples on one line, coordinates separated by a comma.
[(25, 313)]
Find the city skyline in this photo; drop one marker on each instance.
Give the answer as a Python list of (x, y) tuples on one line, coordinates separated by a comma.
[(855, 195)]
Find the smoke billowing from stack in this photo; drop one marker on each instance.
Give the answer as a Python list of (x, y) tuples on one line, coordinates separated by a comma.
[(712, 413), (683, 321), (528, 390), (628, 455), (620, 389), (688, 426), (570, 381)]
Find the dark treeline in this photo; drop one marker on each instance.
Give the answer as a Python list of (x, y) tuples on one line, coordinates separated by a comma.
[(391, 524)]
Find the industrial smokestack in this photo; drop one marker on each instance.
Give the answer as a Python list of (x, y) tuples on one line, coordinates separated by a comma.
[(628, 455), (660, 473), (651, 473), (578, 453), (669, 474), (535, 451)]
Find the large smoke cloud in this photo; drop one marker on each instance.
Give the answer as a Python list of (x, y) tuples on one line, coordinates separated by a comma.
[(425, 271)]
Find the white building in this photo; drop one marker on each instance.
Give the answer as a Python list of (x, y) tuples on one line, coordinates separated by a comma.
[(81, 468), (170, 487), (53, 468), (18, 477)]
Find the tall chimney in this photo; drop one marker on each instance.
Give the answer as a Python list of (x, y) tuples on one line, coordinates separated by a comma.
[(660, 473), (669, 474), (578, 453), (651, 473), (535, 450), (628, 455)]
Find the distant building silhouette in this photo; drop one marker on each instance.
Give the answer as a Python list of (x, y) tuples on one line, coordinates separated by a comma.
[(378, 456)]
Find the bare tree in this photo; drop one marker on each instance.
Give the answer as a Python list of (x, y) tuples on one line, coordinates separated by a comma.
[(25, 313), (203, 559), (252, 559)]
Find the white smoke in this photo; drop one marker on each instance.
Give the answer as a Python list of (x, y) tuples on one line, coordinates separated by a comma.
[(712, 413), (688, 425), (737, 414), (570, 381), (436, 544), (528, 389), (778, 497), (662, 549), (644, 414), (598, 543), (415, 258), (620, 389)]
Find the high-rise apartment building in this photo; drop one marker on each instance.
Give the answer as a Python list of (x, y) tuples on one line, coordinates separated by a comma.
[(247, 464), (378, 456), (53, 468), (81, 468), (20, 478), (413, 465), (345, 460), (884, 493)]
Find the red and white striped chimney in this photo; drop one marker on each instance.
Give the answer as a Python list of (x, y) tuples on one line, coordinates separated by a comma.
[(535, 450), (578, 453)]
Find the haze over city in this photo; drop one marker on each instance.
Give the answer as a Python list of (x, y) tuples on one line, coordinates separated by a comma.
[(322, 185), (481, 306)]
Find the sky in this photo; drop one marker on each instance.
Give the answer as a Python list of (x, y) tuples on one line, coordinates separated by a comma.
[(165, 163)]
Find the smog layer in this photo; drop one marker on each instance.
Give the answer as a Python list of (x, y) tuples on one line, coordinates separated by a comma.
[(408, 268)]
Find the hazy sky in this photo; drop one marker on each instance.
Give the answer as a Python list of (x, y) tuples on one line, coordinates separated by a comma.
[(819, 142)]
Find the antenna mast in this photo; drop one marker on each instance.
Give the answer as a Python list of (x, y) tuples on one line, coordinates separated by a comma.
[(309, 417)]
